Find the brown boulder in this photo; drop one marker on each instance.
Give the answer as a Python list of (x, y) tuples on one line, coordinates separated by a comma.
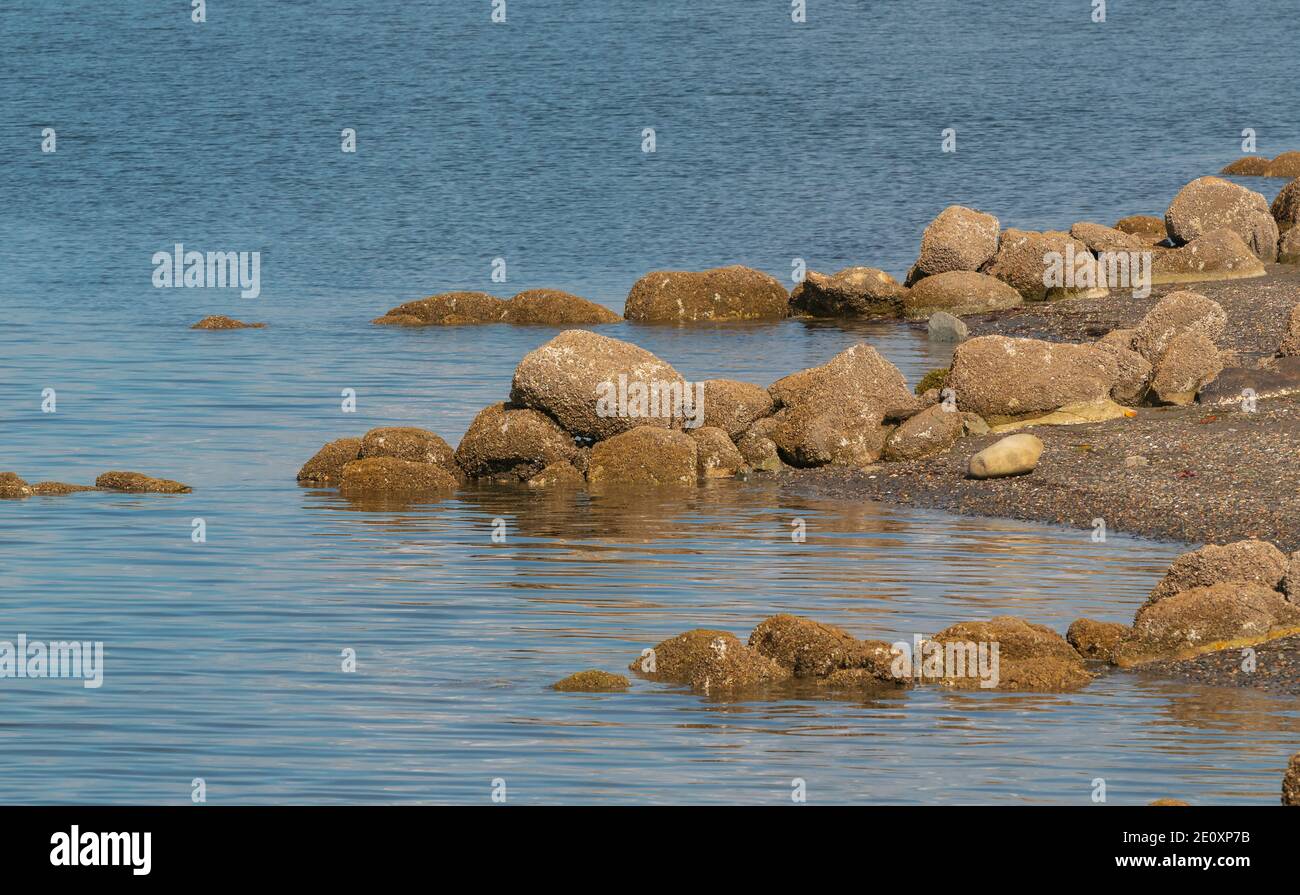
[(58, 489), (857, 374), (847, 433), (1247, 166), (513, 442), (1288, 250), (709, 661), (558, 475), (407, 443), (326, 467), (735, 406), (1287, 164), (1212, 203), (1217, 255), (1291, 782), (929, 433), (1289, 346), (566, 377), (447, 309), (391, 475), (139, 483), (716, 455), (1134, 377), (12, 487), (808, 648), (1189, 363), (723, 293), (644, 457), (1207, 619), (1242, 562), (1004, 379), (959, 292), (1286, 206), (757, 447), (853, 292), (1095, 640), (1100, 238), (1175, 314), (1029, 657), (959, 238), (1148, 226), (555, 308), (1022, 263)]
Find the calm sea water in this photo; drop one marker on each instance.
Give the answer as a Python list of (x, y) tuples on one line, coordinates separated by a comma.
[(523, 141)]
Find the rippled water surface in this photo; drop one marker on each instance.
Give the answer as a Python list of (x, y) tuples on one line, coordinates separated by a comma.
[(523, 141)]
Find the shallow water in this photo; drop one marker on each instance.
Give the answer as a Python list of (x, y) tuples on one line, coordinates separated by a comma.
[(223, 659)]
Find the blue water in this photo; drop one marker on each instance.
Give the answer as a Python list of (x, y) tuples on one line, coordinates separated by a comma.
[(523, 141)]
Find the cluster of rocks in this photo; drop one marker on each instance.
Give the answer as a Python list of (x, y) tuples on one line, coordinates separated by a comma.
[(790, 648), (1285, 165), (13, 487), (1218, 597)]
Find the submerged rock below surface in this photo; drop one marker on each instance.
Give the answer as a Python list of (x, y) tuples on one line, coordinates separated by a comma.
[(713, 662), (219, 321), (723, 293), (1013, 455), (139, 483), (592, 681)]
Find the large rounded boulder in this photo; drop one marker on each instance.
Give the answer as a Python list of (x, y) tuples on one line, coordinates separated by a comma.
[(446, 309), (1039, 265), (514, 442), (1286, 164), (1212, 203), (1286, 206), (551, 307), (1217, 255), (578, 377), (858, 373), (734, 406), (959, 238), (1003, 378), (723, 293), (645, 457), (714, 662), (1175, 314), (1207, 619)]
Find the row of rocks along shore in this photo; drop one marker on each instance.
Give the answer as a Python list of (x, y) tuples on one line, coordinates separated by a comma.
[(856, 421)]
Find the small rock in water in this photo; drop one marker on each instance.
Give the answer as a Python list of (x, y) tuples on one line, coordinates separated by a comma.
[(1167, 803), (944, 327), (139, 483), (1013, 455), (592, 681)]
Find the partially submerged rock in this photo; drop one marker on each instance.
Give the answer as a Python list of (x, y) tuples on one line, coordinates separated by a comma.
[(959, 292), (959, 238), (735, 406), (1029, 656), (1286, 164), (709, 661), (12, 487), (1212, 203), (219, 321), (1003, 378), (1247, 166), (929, 433), (389, 475), (512, 442), (408, 443), (558, 476), (326, 467), (1217, 255), (643, 457), (1096, 640), (857, 375), (552, 307), (852, 292), (1243, 562), (447, 309), (566, 377), (1013, 455), (592, 681), (139, 483), (808, 648), (716, 455), (58, 489), (723, 293), (1207, 619)]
